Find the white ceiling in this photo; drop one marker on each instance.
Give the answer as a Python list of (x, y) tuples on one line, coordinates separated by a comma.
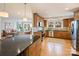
[(17, 10), (54, 9), (44, 9)]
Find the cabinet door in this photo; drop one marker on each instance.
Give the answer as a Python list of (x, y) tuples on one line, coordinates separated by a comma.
[(65, 35), (32, 50), (35, 48), (24, 53), (76, 15), (38, 47), (46, 34), (36, 19), (45, 23), (57, 34), (66, 23)]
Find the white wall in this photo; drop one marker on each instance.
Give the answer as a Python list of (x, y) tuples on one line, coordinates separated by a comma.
[(13, 23)]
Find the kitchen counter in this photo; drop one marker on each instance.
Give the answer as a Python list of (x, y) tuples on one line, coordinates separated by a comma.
[(15, 45), (61, 30), (58, 32), (58, 29)]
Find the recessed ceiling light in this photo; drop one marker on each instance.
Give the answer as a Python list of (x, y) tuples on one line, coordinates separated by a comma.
[(66, 8)]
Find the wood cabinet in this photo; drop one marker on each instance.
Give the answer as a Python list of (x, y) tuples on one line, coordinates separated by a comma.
[(37, 33), (62, 34), (46, 34), (35, 48), (45, 23), (37, 18), (32, 49), (57, 34), (24, 52), (67, 22), (76, 14), (38, 47)]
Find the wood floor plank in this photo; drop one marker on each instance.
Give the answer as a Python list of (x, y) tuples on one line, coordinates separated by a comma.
[(56, 47)]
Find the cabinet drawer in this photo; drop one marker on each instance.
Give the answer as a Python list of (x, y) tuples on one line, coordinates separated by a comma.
[(57, 34)]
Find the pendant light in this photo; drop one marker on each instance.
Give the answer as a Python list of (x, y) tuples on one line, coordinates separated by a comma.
[(3, 13), (24, 18)]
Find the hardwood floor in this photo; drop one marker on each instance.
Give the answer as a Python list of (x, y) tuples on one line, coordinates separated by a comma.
[(56, 47)]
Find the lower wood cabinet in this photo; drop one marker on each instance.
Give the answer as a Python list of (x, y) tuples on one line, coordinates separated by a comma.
[(33, 50), (62, 34), (24, 53), (46, 34), (57, 34), (37, 33)]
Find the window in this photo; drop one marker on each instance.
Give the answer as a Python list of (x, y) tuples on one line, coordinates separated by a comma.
[(23, 26), (55, 23)]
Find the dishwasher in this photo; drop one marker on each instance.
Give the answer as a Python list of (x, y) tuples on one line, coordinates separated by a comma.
[(51, 34)]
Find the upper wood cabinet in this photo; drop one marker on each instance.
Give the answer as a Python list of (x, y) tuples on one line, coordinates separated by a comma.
[(37, 18), (76, 15), (45, 23), (67, 22)]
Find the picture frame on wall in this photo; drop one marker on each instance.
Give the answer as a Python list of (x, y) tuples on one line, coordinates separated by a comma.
[(23, 26)]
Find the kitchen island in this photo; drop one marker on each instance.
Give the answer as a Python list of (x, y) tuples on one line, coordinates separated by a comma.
[(16, 45)]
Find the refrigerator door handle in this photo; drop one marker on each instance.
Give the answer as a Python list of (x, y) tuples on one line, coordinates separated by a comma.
[(72, 31)]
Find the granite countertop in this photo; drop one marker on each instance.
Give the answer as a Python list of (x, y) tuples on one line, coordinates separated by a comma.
[(57, 29), (15, 45)]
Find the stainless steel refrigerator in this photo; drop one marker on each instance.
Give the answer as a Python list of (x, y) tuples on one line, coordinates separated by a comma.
[(75, 34)]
